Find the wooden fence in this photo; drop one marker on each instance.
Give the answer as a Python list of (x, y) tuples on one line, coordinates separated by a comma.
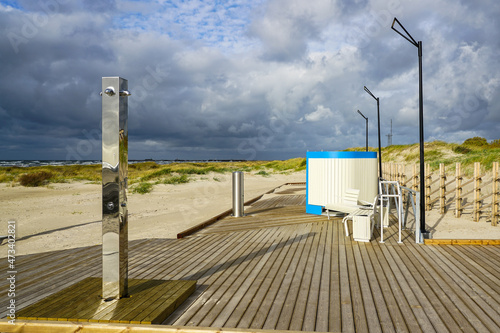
[(478, 196)]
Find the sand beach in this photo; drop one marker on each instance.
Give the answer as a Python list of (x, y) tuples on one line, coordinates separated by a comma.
[(62, 216), (68, 215)]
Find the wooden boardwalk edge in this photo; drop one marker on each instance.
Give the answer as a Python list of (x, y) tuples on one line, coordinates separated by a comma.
[(226, 213), (462, 241), (37, 326)]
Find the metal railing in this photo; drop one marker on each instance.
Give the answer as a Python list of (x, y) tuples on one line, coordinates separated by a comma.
[(391, 190)]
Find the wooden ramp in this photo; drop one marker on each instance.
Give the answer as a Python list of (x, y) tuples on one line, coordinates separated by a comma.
[(281, 269)]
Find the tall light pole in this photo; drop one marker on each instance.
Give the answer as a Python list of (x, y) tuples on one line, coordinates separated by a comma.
[(366, 118), (379, 147), (418, 45)]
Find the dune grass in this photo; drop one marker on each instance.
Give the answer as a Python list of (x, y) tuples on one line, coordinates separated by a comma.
[(140, 174), (144, 173), (472, 150)]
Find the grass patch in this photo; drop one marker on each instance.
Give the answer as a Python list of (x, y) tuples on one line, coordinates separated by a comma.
[(35, 179), (263, 173), (174, 180), (155, 174), (143, 188), (461, 149), (294, 164)]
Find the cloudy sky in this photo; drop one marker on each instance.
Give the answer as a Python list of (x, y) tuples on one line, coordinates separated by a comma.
[(244, 79)]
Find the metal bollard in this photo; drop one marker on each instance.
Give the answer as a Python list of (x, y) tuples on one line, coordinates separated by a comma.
[(238, 194)]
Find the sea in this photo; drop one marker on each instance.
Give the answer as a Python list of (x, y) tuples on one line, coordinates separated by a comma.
[(34, 163)]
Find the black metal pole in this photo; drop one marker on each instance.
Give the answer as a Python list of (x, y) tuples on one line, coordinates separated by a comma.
[(366, 119), (379, 147), (366, 134), (424, 232), (408, 37)]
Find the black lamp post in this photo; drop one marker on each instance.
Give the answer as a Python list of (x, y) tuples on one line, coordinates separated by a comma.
[(366, 118), (379, 147), (418, 45)]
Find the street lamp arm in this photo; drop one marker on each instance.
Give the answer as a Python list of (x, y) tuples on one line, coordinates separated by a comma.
[(411, 40), (369, 92), (362, 115)]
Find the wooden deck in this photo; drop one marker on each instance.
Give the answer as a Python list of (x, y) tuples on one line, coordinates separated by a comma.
[(148, 302), (281, 269)]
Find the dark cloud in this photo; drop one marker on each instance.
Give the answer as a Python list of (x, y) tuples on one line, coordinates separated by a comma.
[(286, 27), (269, 79)]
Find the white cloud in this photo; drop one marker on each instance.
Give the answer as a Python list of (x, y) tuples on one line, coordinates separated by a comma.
[(320, 114)]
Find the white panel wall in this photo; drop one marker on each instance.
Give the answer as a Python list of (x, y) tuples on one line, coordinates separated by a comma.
[(329, 178)]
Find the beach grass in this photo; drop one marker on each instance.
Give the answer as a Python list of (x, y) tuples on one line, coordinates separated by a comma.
[(143, 173), (472, 150)]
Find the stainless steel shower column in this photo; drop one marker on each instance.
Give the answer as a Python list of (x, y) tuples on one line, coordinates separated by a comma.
[(114, 187)]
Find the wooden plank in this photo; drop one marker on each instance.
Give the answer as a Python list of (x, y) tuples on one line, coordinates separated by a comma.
[(448, 312), (162, 311), (249, 305), (386, 291), (82, 302), (309, 286), (491, 250), (146, 261), (101, 311), (210, 276), (429, 303), (347, 318), (150, 291), (188, 259), (395, 291), (479, 255), (47, 283), (372, 319), (29, 264), (323, 307), (214, 219), (281, 297), (205, 261), (238, 290), (232, 283), (380, 306), (462, 242), (409, 292), (359, 314), (335, 314), (54, 269), (70, 297), (483, 277), (463, 302), (50, 284), (212, 257), (75, 327), (29, 282), (60, 277), (252, 283)]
